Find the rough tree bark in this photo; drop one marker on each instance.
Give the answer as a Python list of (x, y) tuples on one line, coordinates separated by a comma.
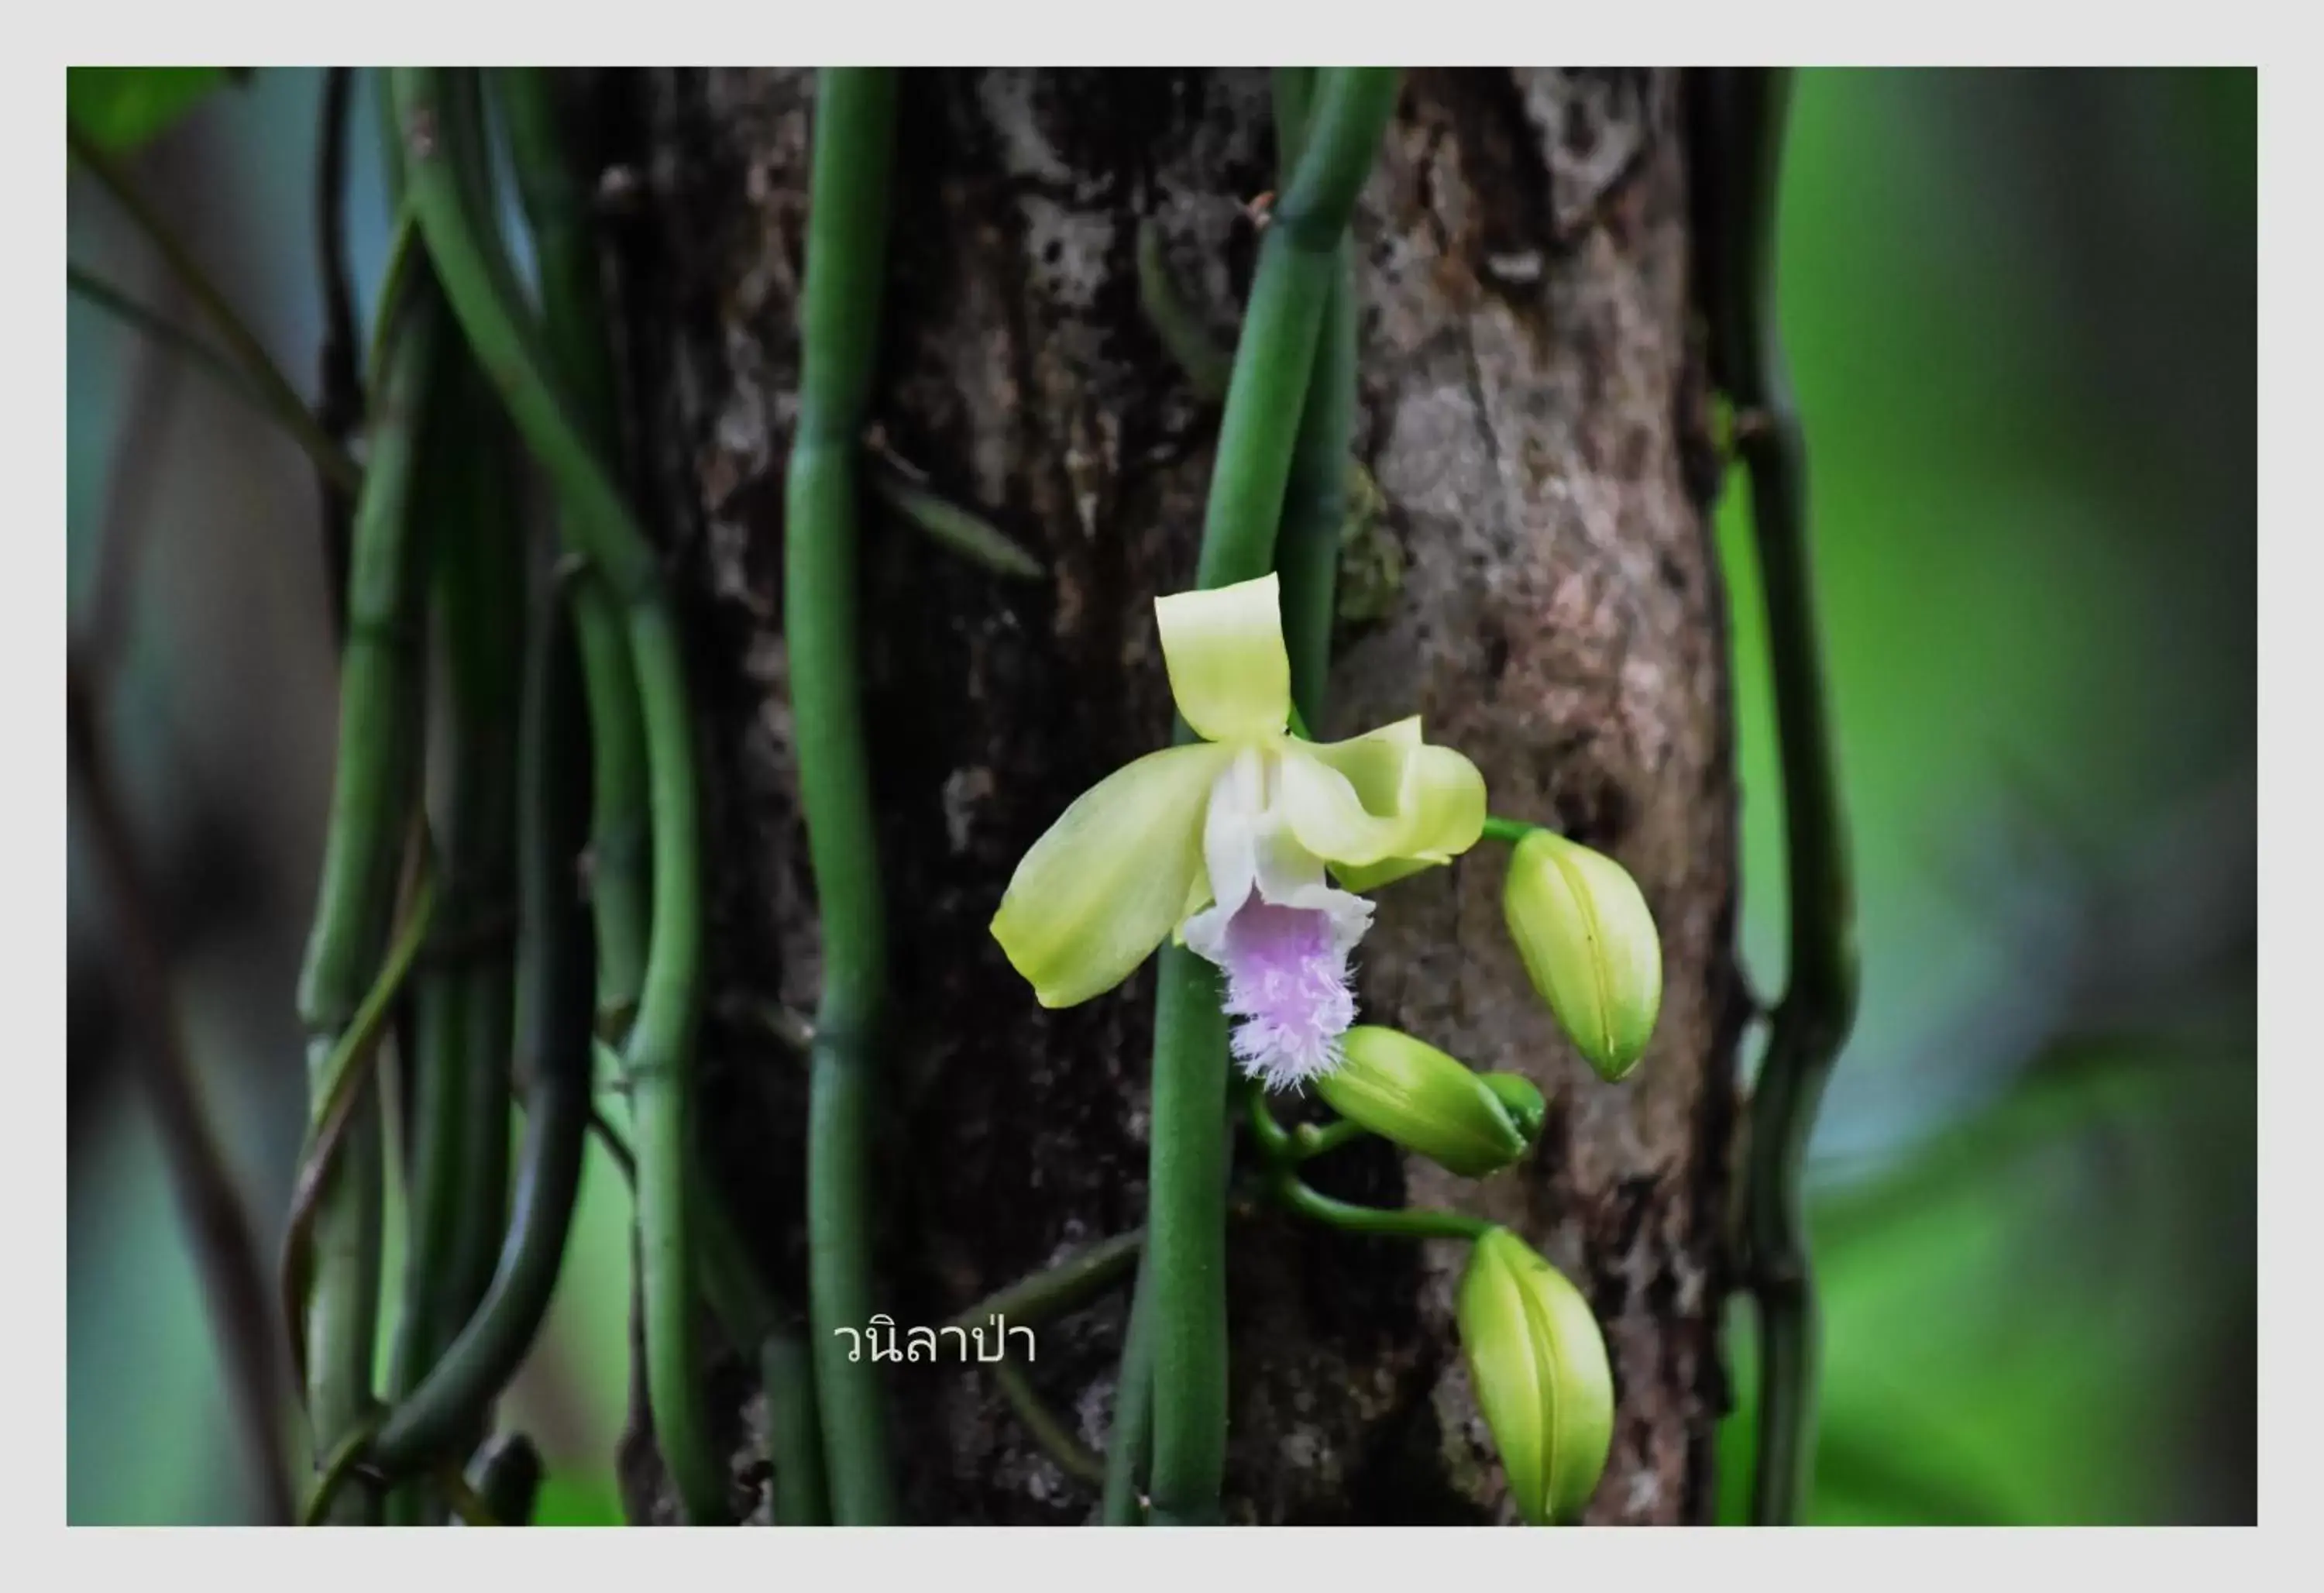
[(1531, 401)]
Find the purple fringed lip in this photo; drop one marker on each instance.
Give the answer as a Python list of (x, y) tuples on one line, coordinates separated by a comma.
[(1287, 981)]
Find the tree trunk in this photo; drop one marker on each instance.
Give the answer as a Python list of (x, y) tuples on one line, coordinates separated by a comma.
[(1531, 401)]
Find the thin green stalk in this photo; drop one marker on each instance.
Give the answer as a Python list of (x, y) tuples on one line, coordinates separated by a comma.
[(1054, 1291), (1293, 91), (1049, 1434), (1283, 1149), (1186, 1218), (1207, 365), (441, 141), (962, 532), (230, 378), (847, 235), (755, 1319), (337, 1469), (459, 1120), (1400, 1222), (572, 335), (282, 399), (379, 716), (1310, 1140), (1746, 109), (335, 1086), (1129, 1446), (794, 1437), (1187, 1199), (553, 1057), (1509, 832)]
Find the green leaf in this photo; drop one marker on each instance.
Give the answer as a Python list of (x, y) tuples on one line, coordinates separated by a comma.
[(122, 107)]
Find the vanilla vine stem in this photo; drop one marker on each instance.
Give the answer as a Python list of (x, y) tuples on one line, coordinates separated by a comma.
[(553, 1053), (1812, 1020), (334, 1283), (847, 247), (439, 119), (1266, 394), (572, 335), (456, 1111)]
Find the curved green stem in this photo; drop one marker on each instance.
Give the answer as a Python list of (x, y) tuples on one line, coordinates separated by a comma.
[(282, 400), (337, 1467), (1264, 396), (1275, 1143), (336, 1085), (441, 141), (1283, 1148), (553, 1055), (1207, 365), (1049, 1433), (1054, 1291), (1129, 1446), (1746, 109), (1401, 1223), (337, 1282), (1510, 831), (458, 1072), (1311, 1139), (755, 1319), (573, 333), (847, 231), (794, 1436), (970, 535), (230, 378)]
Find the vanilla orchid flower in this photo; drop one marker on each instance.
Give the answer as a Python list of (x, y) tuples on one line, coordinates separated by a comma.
[(1225, 843)]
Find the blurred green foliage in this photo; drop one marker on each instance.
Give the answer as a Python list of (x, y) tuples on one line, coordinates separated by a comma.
[(123, 106), (2020, 309), (2036, 1247)]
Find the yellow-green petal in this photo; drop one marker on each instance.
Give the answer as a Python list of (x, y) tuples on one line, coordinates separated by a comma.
[(1112, 876), (1228, 669), (1382, 805)]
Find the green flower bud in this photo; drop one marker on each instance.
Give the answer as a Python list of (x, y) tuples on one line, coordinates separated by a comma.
[(1521, 1098), (1406, 1090), (1537, 1362), (1589, 945)]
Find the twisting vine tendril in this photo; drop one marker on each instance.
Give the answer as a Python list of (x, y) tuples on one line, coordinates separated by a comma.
[(1739, 116)]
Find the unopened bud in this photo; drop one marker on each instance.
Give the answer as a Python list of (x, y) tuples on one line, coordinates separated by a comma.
[(1537, 1362), (1521, 1098), (1589, 945), (1407, 1090)]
